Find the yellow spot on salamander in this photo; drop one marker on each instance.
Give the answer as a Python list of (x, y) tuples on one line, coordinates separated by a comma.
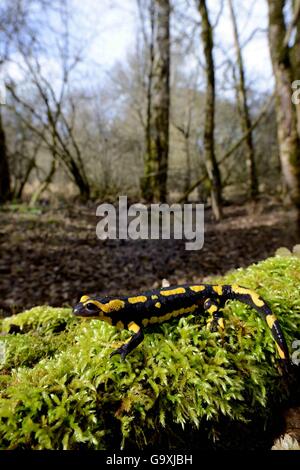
[(177, 290), (270, 319), (197, 288), (112, 305), (257, 300), (120, 325), (136, 300), (212, 309), (280, 351), (133, 327), (153, 320), (95, 302), (165, 317), (218, 289), (169, 315), (117, 344), (154, 297), (182, 311), (158, 305), (254, 296), (84, 298)]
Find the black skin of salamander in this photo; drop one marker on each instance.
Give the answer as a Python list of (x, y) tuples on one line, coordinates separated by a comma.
[(210, 298)]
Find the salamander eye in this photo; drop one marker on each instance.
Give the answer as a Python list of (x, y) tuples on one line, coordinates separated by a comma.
[(91, 307)]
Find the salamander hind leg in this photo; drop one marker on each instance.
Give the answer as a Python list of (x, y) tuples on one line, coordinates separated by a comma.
[(131, 343), (216, 320)]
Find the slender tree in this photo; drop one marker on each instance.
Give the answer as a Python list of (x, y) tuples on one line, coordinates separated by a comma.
[(244, 112), (295, 53), (55, 117), (148, 180), (154, 185), (209, 124), (185, 131), (288, 138), (161, 98), (4, 168)]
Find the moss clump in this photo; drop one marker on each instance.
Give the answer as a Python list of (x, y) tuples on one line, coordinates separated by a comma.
[(35, 334), (43, 320), (61, 390)]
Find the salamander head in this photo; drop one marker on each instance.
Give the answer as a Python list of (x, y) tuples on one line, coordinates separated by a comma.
[(88, 307)]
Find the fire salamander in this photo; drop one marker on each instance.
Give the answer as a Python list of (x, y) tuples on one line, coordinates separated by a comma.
[(161, 305)]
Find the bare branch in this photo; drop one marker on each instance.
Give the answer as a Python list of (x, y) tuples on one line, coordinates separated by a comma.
[(293, 23), (233, 148)]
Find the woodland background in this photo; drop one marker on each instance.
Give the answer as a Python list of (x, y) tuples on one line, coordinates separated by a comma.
[(182, 117)]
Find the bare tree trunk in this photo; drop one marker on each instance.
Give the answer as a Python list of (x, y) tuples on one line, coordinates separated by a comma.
[(187, 179), (58, 144), (19, 191), (150, 169), (161, 100), (243, 108), (80, 181), (4, 168), (288, 139), (154, 180), (295, 56), (44, 185), (209, 125), (185, 132), (232, 149)]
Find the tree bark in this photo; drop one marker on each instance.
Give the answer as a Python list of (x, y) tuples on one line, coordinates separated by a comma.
[(209, 125), (288, 139), (243, 108), (295, 56), (147, 183), (187, 179), (154, 185), (19, 191), (185, 132), (4, 167), (44, 185)]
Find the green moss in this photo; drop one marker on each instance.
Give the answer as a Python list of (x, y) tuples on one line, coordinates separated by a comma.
[(43, 319), (61, 390)]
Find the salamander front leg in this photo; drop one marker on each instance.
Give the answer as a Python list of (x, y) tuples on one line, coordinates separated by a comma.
[(132, 342), (216, 319)]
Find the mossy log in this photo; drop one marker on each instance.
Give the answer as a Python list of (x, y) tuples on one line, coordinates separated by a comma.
[(182, 387)]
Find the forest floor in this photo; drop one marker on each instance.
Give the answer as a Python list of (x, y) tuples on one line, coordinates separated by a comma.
[(51, 256)]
